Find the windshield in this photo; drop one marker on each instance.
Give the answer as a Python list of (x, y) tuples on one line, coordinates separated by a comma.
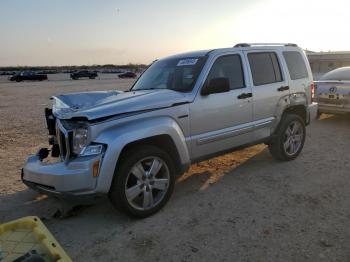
[(179, 74)]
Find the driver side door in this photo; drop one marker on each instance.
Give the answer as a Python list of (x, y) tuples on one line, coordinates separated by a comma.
[(221, 121)]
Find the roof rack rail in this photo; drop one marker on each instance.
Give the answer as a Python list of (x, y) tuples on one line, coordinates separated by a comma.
[(263, 44)]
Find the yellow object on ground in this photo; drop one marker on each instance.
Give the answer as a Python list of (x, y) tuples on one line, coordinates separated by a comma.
[(23, 235)]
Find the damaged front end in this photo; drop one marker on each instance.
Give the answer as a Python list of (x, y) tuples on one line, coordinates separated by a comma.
[(51, 126), (59, 137), (76, 170)]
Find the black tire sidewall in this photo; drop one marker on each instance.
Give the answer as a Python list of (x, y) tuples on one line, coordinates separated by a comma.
[(130, 157), (277, 148)]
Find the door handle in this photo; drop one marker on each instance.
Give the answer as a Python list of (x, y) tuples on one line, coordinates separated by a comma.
[(244, 95), (283, 88)]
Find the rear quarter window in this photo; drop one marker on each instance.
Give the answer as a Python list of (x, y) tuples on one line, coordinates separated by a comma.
[(296, 65)]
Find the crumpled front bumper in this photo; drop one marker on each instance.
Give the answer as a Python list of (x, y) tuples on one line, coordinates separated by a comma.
[(333, 109), (63, 179)]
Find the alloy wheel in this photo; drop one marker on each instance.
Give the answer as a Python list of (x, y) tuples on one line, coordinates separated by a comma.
[(147, 183), (293, 138)]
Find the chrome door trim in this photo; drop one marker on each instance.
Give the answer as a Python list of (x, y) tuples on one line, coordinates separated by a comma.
[(234, 131)]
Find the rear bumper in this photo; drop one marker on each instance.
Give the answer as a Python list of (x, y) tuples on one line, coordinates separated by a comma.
[(72, 179), (312, 111), (333, 109)]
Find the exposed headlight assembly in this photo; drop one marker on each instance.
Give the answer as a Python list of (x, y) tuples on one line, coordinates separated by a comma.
[(80, 140), (81, 143)]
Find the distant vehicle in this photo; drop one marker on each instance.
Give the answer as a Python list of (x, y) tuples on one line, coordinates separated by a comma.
[(83, 74), (332, 92), (128, 75), (6, 73), (28, 75)]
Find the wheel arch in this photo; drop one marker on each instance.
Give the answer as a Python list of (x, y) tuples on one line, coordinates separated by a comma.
[(299, 110), (164, 142), (163, 132)]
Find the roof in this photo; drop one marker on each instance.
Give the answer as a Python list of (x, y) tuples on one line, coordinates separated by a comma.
[(240, 47)]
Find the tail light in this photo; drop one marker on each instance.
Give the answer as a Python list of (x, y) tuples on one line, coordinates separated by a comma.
[(312, 87)]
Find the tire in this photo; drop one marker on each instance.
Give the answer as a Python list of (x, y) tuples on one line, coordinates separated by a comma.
[(289, 138), (144, 198)]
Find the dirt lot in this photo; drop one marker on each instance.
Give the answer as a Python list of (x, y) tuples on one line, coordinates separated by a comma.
[(243, 206)]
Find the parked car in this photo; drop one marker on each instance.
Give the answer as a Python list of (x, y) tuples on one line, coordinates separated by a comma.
[(83, 74), (28, 75), (7, 73), (332, 91), (182, 110), (127, 75)]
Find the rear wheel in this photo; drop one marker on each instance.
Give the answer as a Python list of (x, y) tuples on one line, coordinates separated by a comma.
[(289, 138), (143, 181)]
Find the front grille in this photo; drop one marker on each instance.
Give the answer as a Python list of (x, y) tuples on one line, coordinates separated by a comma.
[(62, 144), (63, 141)]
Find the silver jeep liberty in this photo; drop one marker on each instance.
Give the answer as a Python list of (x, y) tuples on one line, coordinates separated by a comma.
[(183, 109)]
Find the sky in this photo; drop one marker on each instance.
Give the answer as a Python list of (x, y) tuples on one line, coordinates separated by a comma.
[(77, 32)]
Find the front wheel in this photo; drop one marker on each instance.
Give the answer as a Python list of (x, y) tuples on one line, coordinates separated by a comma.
[(289, 138), (143, 181)]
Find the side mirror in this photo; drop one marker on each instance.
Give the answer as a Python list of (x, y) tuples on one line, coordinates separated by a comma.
[(216, 85)]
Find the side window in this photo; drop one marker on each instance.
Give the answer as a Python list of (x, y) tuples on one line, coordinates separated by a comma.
[(265, 68), (296, 65), (229, 66)]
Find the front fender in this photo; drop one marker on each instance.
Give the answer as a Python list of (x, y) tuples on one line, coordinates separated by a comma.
[(116, 138)]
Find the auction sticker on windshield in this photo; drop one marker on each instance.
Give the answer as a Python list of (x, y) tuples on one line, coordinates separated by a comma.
[(187, 62)]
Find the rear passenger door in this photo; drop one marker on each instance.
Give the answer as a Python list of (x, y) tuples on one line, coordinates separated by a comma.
[(269, 87)]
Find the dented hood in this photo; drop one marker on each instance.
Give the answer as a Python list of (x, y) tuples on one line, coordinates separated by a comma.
[(94, 105)]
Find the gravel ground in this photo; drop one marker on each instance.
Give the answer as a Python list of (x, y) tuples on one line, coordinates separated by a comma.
[(243, 206)]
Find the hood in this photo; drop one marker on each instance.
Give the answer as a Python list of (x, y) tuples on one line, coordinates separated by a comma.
[(94, 105)]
